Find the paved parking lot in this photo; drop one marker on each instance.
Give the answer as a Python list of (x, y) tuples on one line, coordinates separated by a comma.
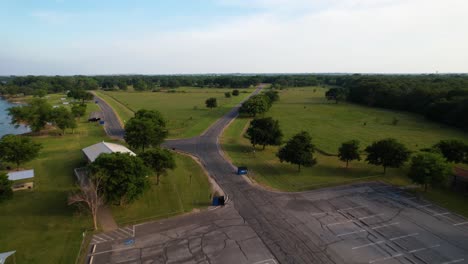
[(366, 223)]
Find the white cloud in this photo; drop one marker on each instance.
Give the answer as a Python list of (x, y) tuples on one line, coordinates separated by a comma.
[(346, 36)]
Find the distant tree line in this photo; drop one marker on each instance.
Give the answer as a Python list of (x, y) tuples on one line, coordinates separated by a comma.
[(441, 98)]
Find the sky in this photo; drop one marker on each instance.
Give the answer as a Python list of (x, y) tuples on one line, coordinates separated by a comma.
[(68, 37)]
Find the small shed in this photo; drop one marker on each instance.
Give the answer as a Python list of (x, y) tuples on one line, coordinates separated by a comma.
[(20, 175), (92, 152)]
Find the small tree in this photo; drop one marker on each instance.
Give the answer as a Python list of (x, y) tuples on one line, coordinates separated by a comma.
[(147, 128), (80, 94), (298, 150), (160, 160), (429, 169), (337, 94), (264, 131), (227, 95), (453, 150), (90, 195), (388, 153), (235, 92), (18, 149), (349, 151), (78, 110), (63, 118), (123, 176), (273, 96), (5, 187), (211, 103), (257, 104)]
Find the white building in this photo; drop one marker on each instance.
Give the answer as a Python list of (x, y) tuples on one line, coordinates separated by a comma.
[(92, 152)]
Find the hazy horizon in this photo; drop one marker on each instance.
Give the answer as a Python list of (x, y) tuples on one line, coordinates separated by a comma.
[(64, 37)]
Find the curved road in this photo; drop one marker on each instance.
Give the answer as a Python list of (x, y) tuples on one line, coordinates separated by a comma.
[(361, 223)]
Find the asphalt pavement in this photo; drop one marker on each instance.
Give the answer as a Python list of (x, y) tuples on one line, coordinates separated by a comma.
[(363, 223)]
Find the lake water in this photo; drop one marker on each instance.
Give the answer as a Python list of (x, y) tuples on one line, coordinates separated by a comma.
[(5, 126)]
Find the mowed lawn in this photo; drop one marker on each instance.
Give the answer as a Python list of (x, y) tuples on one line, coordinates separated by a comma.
[(39, 224), (184, 109), (331, 124), (180, 191), (266, 169)]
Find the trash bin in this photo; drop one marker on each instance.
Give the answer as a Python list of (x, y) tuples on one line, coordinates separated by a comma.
[(215, 201)]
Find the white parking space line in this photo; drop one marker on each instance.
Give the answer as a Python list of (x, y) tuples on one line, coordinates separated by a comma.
[(315, 214), (370, 244), (266, 261), (107, 237), (459, 224), (441, 214), (383, 241), (386, 258), (350, 208), (422, 206), (421, 249), (453, 261), (370, 216), (340, 223), (405, 236), (382, 226), (350, 233)]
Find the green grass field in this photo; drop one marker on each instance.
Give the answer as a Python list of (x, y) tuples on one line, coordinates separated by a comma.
[(39, 224), (184, 109), (180, 191), (42, 228), (331, 124)]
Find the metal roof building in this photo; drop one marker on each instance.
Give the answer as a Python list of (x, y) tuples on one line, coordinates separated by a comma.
[(92, 152), (20, 175)]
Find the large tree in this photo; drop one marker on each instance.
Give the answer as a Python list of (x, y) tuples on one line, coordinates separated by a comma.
[(18, 149), (78, 110), (453, 150), (36, 114), (160, 160), (80, 94), (349, 151), (63, 118), (298, 150), (211, 102), (123, 176), (388, 153), (257, 104), (272, 95), (429, 169), (147, 128), (89, 195), (337, 94), (264, 131), (5, 187)]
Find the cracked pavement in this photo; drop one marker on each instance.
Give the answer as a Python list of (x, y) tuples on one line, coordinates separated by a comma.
[(361, 223)]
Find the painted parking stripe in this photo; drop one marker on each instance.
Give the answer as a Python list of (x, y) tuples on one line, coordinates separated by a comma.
[(405, 236), (421, 249), (340, 223), (370, 244), (382, 226), (422, 206), (383, 241), (370, 216), (459, 224), (351, 208), (453, 261), (386, 258), (441, 214), (350, 233)]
